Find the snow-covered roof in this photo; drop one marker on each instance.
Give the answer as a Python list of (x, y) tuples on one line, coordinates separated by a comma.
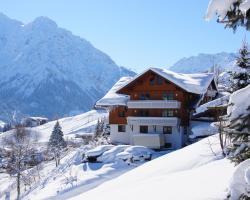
[(201, 129), (217, 102), (112, 98), (193, 83), (37, 118)]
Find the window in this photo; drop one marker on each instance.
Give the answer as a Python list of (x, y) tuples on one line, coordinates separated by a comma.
[(168, 113), (152, 81), (121, 113), (143, 113), (159, 80), (168, 145), (121, 128), (168, 96), (143, 129), (144, 96), (167, 129)]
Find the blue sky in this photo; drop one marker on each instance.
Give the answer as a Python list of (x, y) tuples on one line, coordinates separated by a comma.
[(135, 33)]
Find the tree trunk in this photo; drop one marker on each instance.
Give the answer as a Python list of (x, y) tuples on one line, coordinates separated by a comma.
[(221, 137), (18, 185)]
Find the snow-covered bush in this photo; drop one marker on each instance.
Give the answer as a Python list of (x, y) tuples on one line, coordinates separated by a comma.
[(111, 153), (135, 153), (93, 154)]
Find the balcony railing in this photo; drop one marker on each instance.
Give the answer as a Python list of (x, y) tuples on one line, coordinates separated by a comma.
[(160, 121), (154, 104), (155, 141)]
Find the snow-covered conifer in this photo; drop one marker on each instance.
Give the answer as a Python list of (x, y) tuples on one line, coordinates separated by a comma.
[(238, 125), (57, 143), (241, 78)]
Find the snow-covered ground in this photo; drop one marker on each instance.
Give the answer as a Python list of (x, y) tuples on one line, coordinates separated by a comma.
[(195, 172), (73, 177), (72, 127)]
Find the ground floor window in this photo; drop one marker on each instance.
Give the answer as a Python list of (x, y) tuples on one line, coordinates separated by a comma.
[(121, 128), (168, 145), (143, 129), (167, 129)]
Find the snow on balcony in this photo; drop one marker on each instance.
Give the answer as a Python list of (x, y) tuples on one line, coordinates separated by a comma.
[(153, 104), (161, 121), (154, 141)]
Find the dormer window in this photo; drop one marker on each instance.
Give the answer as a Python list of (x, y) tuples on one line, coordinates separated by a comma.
[(159, 80), (152, 81)]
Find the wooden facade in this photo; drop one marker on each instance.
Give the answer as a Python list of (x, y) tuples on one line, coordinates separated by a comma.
[(151, 86)]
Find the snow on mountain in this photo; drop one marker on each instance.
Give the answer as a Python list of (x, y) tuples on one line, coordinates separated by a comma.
[(204, 62), (48, 71)]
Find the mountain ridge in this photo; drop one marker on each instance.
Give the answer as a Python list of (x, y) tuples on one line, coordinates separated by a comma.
[(48, 71), (204, 62)]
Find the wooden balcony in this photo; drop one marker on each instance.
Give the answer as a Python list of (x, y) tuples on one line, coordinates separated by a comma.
[(161, 104), (161, 121)]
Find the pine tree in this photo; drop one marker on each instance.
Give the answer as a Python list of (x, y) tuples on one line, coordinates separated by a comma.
[(241, 78), (237, 126), (239, 134), (57, 143)]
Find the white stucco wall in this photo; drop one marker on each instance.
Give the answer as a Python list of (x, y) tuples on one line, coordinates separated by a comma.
[(176, 138), (119, 137)]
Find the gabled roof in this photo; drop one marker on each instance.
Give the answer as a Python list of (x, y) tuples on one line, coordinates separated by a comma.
[(193, 83), (113, 98)]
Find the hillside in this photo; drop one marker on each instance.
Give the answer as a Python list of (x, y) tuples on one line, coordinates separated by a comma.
[(190, 173), (83, 124), (48, 71)]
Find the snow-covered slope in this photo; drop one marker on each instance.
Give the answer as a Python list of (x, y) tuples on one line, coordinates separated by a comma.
[(72, 127), (194, 172), (48, 71), (203, 62)]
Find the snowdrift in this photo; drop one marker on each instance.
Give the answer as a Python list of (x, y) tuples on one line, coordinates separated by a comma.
[(195, 172)]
